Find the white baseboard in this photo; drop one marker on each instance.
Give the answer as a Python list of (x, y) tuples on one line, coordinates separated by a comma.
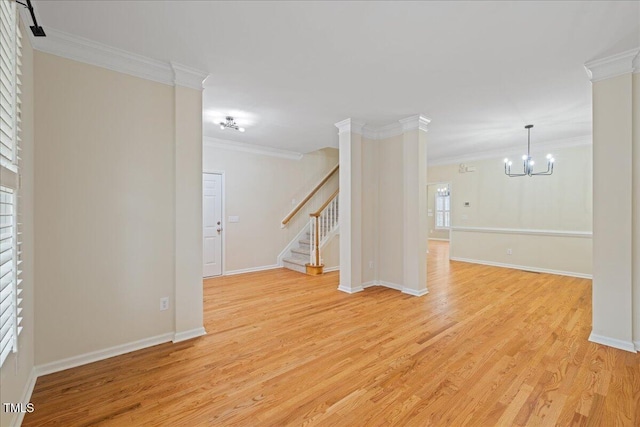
[(613, 342), (389, 285), (94, 356), (439, 240), (252, 269), (415, 293), (187, 335), (26, 397), (350, 290), (523, 267), (330, 269), (395, 287), (637, 345)]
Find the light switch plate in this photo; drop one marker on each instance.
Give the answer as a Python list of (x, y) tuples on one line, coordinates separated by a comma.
[(234, 219)]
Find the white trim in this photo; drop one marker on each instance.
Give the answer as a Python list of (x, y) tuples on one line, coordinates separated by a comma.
[(440, 240), (613, 66), (293, 243), (223, 221), (250, 148), (395, 287), (26, 397), (415, 293), (94, 356), (415, 122), (251, 270), (579, 141), (330, 269), (522, 267), (384, 132), (388, 131), (552, 233), (637, 345), (349, 125), (389, 285), (612, 342), (190, 334), (91, 52), (350, 290), (187, 76)]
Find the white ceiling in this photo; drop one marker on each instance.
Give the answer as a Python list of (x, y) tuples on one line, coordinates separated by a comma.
[(289, 70)]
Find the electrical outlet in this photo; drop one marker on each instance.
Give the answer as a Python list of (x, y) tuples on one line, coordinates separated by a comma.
[(164, 303), (509, 251), (370, 264)]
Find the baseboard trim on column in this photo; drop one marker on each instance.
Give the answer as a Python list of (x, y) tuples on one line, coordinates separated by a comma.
[(613, 342), (350, 290), (187, 335)]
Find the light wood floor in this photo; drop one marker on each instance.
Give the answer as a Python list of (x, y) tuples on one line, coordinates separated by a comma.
[(487, 346)]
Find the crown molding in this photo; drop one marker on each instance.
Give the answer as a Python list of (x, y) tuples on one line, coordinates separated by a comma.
[(579, 141), (187, 76), (415, 122), (251, 148), (350, 125), (90, 52), (614, 65), (384, 132)]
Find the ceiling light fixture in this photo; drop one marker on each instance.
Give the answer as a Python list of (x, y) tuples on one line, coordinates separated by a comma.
[(528, 162), (230, 124)]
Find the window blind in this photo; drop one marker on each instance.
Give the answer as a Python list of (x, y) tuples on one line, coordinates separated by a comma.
[(10, 224)]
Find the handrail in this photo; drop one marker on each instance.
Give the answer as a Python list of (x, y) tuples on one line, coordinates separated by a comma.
[(299, 206), (325, 204)]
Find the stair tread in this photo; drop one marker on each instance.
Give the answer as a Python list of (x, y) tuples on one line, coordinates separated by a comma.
[(301, 251), (297, 261)]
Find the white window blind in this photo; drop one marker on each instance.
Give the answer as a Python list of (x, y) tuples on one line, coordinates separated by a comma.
[(10, 226), (443, 209)]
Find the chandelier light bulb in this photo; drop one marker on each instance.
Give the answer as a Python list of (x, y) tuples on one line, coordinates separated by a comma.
[(551, 160), (506, 160), (549, 156), (241, 129), (524, 157), (510, 163)]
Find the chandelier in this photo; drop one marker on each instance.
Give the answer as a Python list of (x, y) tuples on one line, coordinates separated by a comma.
[(230, 123), (527, 161)]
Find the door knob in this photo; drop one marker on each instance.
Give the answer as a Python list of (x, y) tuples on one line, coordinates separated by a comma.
[(218, 223), (219, 229)]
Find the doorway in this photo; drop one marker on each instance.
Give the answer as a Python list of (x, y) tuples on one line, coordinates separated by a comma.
[(439, 210), (212, 224)]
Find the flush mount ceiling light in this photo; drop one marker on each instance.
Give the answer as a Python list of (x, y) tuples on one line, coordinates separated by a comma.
[(230, 124), (527, 161)]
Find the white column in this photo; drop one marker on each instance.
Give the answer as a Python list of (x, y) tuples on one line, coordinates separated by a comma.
[(350, 201), (614, 121), (414, 152), (189, 319)]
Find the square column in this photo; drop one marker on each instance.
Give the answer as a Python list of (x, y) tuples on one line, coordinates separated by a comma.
[(350, 202), (414, 209), (616, 285)]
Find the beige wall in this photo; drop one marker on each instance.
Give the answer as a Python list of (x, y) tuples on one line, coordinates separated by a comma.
[(17, 368), (390, 224), (105, 219), (561, 202), (260, 190), (434, 233)]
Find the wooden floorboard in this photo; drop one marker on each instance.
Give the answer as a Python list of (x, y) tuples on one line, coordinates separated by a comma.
[(487, 346)]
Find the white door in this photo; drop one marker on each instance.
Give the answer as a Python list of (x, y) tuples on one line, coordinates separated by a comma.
[(212, 224)]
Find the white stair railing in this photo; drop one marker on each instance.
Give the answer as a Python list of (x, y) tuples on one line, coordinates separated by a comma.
[(322, 224)]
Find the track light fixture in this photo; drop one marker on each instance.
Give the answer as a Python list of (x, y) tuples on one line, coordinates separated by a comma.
[(37, 30)]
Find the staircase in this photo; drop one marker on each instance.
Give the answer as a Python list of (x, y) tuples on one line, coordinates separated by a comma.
[(299, 257), (304, 252)]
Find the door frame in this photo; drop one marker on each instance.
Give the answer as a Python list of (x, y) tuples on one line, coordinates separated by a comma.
[(224, 223)]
